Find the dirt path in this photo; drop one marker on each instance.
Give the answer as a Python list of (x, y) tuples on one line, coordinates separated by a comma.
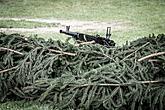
[(76, 25)]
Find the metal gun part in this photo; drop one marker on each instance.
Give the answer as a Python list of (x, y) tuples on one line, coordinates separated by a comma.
[(108, 33)]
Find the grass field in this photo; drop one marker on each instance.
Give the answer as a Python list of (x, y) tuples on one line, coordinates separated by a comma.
[(144, 17), (23, 24), (22, 105)]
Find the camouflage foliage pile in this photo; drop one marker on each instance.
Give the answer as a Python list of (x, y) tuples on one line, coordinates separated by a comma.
[(87, 76)]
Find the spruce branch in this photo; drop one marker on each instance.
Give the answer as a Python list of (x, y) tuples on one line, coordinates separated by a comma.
[(151, 55), (61, 52), (84, 43), (136, 51), (123, 84), (3, 48), (6, 70)]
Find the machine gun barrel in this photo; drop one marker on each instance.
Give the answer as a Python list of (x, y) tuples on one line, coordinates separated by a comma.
[(74, 34)]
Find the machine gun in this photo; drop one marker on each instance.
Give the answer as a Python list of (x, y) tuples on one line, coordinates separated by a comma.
[(87, 38)]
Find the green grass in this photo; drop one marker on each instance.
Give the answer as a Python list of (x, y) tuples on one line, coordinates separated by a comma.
[(144, 17), (23, 105), (85, 9), (23, 24)]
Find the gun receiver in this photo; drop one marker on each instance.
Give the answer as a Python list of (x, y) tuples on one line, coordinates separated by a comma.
[(86, 38)]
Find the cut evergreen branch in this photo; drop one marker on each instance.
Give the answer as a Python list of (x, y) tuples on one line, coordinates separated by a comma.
[(6, 70), (2, 48), (151, 55), (61, 52)]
